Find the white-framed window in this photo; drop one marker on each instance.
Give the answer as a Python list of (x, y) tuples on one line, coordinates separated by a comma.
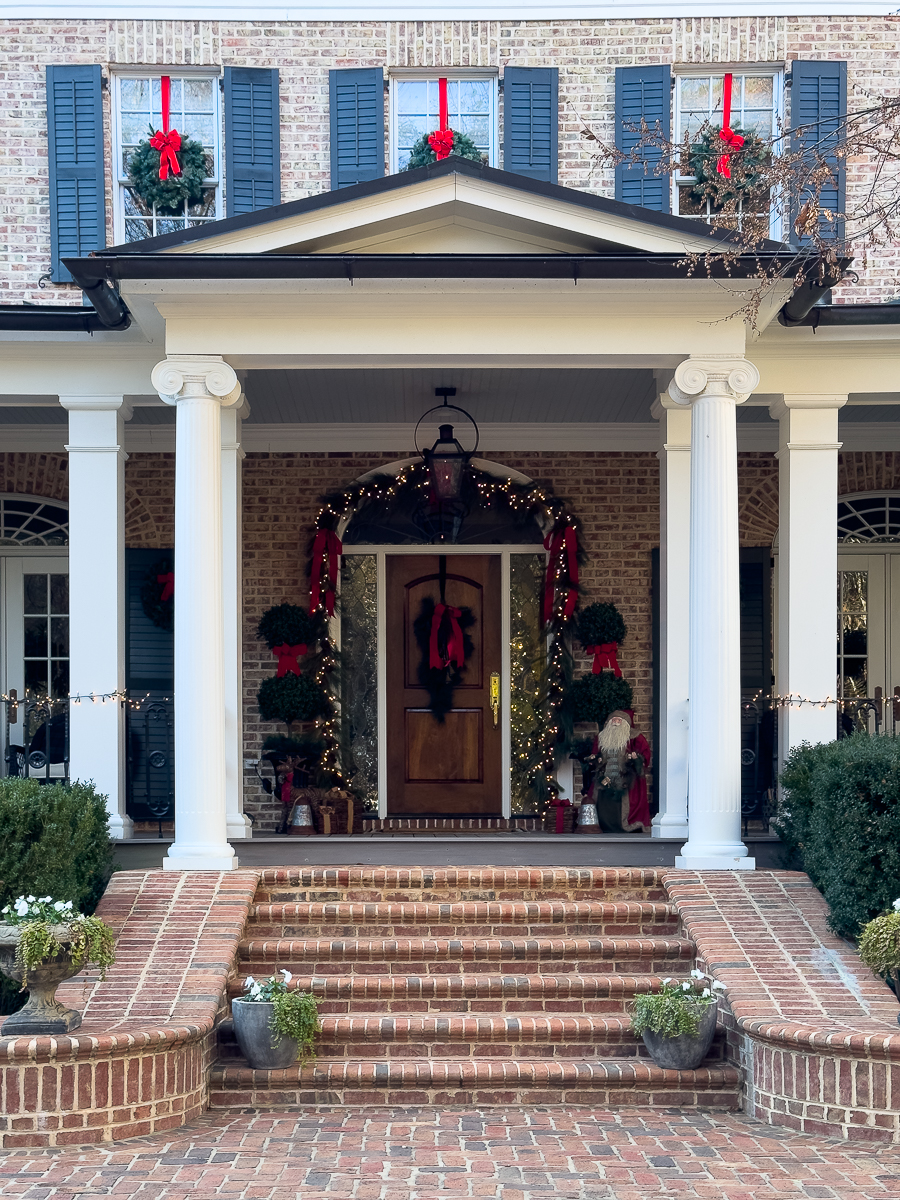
[(757, 103), (196, 112), (471, 104)]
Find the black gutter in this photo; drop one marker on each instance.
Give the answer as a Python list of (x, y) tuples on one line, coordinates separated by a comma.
[(850, 314), (49, 318), (108, 304)]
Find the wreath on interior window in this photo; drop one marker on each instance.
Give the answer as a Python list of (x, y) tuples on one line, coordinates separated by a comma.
[(158, 594), (422, 155), (443, 639), (168, 194), (747, 165)]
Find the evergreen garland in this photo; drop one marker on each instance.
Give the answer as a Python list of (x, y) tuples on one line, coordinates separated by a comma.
[(440, 684), (599, 624), (160, 612), (422, 155), (746, 164), (168, 195)]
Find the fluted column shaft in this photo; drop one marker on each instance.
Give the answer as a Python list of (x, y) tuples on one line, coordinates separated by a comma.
[(713, 387)]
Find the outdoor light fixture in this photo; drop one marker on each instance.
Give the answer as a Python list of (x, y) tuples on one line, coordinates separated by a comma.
[(446, 459)]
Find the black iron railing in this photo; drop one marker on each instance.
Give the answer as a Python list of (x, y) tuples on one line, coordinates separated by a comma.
[(37, 737), (150, 761)]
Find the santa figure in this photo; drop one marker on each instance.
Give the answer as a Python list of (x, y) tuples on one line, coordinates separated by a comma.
[(619, 784)]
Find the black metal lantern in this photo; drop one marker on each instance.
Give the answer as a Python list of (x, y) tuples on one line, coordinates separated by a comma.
[(446, 460)]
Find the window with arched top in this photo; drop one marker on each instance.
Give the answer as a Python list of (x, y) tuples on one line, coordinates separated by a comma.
[(869, 517), (32, 521)]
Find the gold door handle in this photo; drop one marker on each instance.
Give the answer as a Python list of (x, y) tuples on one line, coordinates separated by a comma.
[(495, 697)]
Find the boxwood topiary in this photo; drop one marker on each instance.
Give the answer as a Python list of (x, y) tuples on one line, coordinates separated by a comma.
[(291, 698), (594, 697), (599, 624), (288, 624)]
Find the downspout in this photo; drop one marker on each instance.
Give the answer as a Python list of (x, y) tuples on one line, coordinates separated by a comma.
[(108, 304), (806, 297)]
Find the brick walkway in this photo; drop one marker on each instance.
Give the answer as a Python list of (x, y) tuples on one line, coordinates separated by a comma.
[(553, 1153)]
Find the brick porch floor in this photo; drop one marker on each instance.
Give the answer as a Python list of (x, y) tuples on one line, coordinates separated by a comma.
[(553, 1153)]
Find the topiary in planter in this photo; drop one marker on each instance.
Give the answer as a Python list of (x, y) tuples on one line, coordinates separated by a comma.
[(291, 698), (288, 624), (594, 697), (599, 624)]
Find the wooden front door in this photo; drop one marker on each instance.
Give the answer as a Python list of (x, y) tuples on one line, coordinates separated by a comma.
[(450, 767)]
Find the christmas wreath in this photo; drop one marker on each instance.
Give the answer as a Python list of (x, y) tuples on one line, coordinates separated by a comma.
[(168, 195), (442, 638), (594, 697), (422, 153), (158, 594), (745, 164), (291, 698)]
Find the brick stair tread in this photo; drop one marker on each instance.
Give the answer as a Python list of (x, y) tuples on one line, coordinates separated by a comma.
[(462, 911), (466, 987)]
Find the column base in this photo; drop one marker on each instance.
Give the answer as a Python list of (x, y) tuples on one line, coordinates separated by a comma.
[(120, 827), (674, 827), (238, 827), (714, 862), (200, 858)]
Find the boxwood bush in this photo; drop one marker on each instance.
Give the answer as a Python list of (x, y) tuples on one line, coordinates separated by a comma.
[(839, 818)]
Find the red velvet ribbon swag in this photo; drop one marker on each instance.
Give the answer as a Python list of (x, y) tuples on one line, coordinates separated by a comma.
[(166, 141), (726, 133), (441, 141), (562, 561), (455, 648), (326, 550), (168, 582), (605, 656), (560, 803), (287, 658)]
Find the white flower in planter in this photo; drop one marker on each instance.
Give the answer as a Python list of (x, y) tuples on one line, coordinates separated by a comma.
[(695, 974), (686, 987), (706, 992), (896, 905), (718, 986), (286, 975), (21, 907)]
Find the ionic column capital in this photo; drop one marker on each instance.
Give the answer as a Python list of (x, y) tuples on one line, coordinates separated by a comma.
[(182, 376), (727, 377)]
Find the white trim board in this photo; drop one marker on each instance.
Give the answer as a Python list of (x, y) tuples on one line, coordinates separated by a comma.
[(368, 10)]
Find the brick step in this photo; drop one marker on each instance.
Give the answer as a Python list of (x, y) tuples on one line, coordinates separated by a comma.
[(455, 956), (468, 993), (442, 884), (627, 918), (395, 825), (612, 1083)]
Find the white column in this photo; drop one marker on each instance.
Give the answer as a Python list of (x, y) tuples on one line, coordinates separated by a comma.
[(674, 587), (198, 386), (807, 564), (232, 584), (97, 596), (713, 387)]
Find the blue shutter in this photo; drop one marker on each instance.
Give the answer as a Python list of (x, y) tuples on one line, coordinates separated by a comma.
[(357, 125), (531, 122), (643, 92), (75, 138), (252, 140), (818, 106)]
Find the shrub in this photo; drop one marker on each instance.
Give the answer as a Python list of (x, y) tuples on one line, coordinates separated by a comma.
[(288, 624), (291, 698), (594, 697), (879, 946), (840, 810), (600, 623), (54, 840)]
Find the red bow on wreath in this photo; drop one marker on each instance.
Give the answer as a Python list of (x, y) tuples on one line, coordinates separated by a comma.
[(562, 559), (166, 141), (168, 582), (455, 648), (726, 133), (605, 656), (325, 552), (287, 658), (441, 140)]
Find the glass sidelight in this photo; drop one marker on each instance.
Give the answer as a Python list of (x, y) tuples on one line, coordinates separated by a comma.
[(852, 634), (45, 620)]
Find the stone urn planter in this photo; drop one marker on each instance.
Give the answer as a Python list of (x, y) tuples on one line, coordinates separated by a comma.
[(685, 1051), (263, 1048), (43, 1013)]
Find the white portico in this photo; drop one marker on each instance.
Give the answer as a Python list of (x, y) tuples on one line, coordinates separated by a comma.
[(466, 271)]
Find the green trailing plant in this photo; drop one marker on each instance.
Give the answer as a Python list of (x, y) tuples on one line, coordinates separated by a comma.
[(748, 165), (289, 624), (599, 624), (54, 840), (594, 697), (168, 195), (440, 683), (677, 1007), (292, 698), (422, 155), (88, 940), (879, 946), (838, 816), (294, 1014), (160, 612)]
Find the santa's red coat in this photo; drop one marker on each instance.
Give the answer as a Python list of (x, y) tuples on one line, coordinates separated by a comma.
[(638, 801)]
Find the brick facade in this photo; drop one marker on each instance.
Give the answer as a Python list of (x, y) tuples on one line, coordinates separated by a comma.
[(586, 53)]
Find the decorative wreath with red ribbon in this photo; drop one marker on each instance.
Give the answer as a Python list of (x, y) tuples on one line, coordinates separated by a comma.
[(441, 631), (443, 141), (717, 151), (167, 169), (158, 594)]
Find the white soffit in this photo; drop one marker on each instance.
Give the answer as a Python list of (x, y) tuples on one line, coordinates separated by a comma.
[(373, 10)]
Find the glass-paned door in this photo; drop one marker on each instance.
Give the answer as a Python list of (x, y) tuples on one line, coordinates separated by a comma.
[(35, 664)]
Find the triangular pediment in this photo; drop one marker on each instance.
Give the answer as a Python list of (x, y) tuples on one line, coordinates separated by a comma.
[(454, 207)]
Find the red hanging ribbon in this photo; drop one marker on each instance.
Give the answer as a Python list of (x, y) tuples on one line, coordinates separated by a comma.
[(560, 803), (326, 542), (441, 140), (561, 543), (726, 133), (166, 141), (168, 582), (605, 656), (443, 106), (455, 647), (287, 658)]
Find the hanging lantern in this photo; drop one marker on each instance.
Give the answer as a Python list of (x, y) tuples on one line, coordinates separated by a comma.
[(446, 460)]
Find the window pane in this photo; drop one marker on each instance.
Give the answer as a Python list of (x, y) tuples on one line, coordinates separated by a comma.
[(35, 636), (412, 96), (36, 593), (60, 675), (36, 676), (474, 96), (59, 637), (758, 91), (198, 95), (59, 594), (135, 95), (477, 128)]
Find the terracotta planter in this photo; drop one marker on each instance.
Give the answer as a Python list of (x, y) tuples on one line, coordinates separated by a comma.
[(262, 1047), (686, 1051), (42, 1014)]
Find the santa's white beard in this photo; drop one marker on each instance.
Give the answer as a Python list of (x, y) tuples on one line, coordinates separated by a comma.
[(614, 738)]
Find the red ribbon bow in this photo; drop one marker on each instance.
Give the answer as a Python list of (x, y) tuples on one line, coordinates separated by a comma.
[(726, 133), (166, 141), (560, 803), (168, 582), (325, 544), (287, 658), (562, 547), (605, 656), (455, 648)]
